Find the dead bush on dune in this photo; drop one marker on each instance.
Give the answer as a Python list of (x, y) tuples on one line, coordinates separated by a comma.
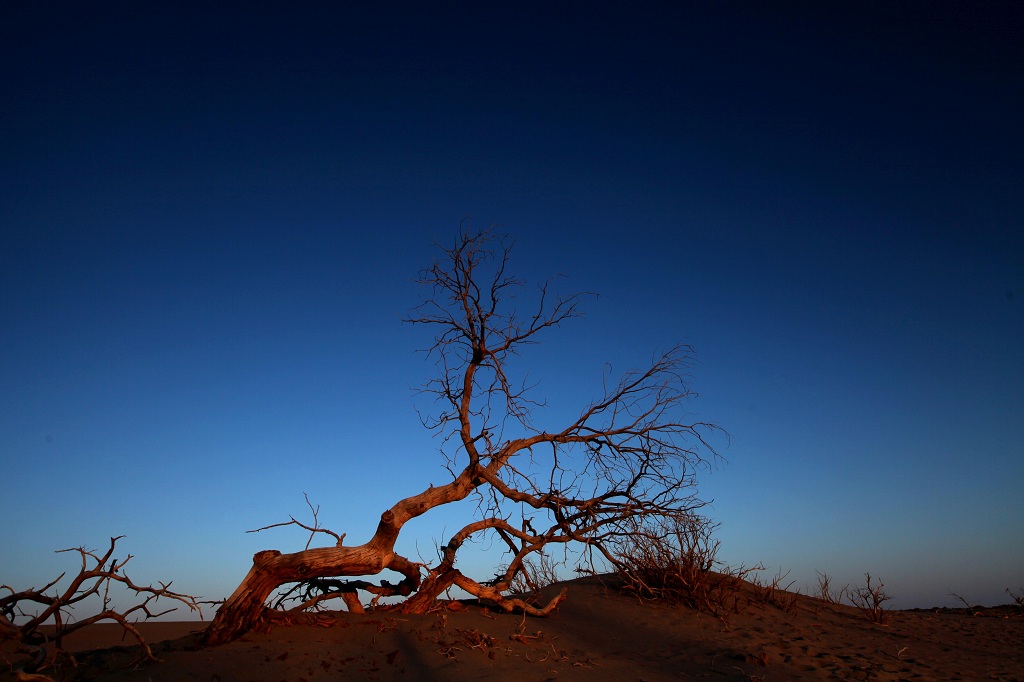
[(32, 619), (1017, 598), (825, 591), (674, 560), (870, 600), (774, 593), (535, 573)]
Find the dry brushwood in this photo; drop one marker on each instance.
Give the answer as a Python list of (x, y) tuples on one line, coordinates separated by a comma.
[(629, 456), (33, 618), (773, 593), (870, 600), (674, 560), (967, 605), (535, 573), (1017, 598), (825, 591)]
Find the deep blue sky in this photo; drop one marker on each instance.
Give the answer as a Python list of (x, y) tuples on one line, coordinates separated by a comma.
[(212, 218)]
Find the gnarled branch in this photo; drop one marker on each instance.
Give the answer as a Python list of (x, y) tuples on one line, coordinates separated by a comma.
[(23, 614)]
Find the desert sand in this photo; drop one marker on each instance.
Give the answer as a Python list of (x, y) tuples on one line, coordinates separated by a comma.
[(599, 633)]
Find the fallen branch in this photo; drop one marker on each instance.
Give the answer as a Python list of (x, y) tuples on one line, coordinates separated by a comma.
[(98, 573)]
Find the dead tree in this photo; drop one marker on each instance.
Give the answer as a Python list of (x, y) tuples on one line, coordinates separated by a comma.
[(34, 618), (628, 455)]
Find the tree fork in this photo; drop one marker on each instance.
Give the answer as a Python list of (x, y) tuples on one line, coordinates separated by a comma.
[(246, 608)]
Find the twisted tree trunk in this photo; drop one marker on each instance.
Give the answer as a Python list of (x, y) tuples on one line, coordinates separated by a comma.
[(246, 608)]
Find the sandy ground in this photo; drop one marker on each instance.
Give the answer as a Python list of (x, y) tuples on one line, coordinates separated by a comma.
[(599, 633)]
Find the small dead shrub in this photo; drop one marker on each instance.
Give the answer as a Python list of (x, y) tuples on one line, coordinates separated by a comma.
[(675, 561), (1018, 598), (536, 572), (869, 599), (967, 605), (774, 593), (825, 591)]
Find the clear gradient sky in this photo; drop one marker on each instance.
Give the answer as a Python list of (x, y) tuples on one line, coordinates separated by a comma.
[(212, 216)]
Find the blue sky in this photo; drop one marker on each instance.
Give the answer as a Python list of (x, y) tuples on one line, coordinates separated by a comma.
[(213, 220)]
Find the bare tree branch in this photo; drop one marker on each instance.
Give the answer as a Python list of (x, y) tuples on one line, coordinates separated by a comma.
[(313, 530), (20, 624)]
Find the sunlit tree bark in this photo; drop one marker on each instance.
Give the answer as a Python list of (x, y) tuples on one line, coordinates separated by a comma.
[(628, 455)]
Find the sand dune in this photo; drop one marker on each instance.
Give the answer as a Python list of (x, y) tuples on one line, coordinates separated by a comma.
[(598, 633)]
